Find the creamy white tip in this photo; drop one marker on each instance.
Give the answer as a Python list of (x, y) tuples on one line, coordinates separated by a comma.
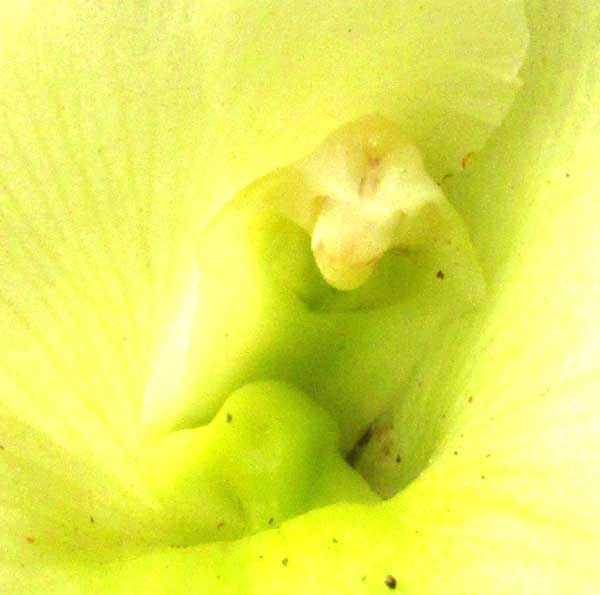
[(367, 184)]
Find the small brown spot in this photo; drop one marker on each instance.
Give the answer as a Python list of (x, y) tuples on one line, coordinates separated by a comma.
[(440, 274), (271, 520), (470, 399), (373, 161), (31, 540), (467, 160), (390, 582), (285, 561), (447, 177), (92, 520), (352, 456), (1, 447), (334, 540), (221, 525), (398, 459), (229, 418), (456, 452)]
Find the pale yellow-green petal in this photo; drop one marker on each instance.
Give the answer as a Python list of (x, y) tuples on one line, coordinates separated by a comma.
[(123, 125), (519, 521), (528, 361), (508, 503)]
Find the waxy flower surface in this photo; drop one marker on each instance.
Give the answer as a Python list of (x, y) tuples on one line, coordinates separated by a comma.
[(299, 297)]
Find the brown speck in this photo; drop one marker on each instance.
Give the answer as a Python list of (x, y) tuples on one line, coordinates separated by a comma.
[(483, 477), (285, 561), (31, 540), (1, 447), (271, 520), (221, 525), (229, 418), (374, 162), (470, 399), (446, 177), (440, 274), (398, 459), (92, 520), (390, 582), (568, 175), (334, 540), (456, 452), (353, 455), (467, 159)]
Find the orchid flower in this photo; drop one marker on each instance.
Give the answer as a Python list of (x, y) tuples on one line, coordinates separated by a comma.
[(299, 297)]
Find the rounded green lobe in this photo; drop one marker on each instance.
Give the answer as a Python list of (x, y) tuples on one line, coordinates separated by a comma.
[(270, 454)]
